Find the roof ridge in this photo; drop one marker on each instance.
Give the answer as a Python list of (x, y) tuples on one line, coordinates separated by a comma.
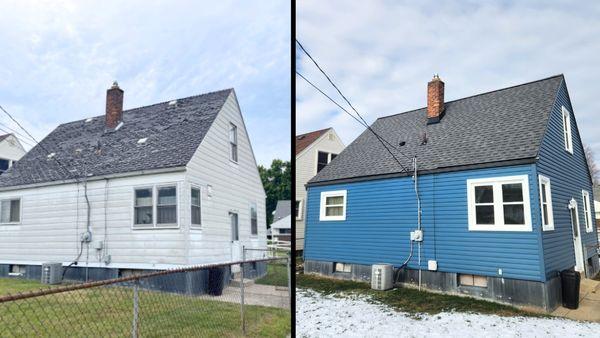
[(314, 131), (475, 95)]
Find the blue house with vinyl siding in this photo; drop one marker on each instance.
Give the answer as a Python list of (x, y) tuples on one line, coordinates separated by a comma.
[(505, 195)]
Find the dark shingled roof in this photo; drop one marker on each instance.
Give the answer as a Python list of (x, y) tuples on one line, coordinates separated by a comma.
[(174, 133), (498, 126), (283, 208)]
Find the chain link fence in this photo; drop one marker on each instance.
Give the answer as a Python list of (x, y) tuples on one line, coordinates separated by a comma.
[(245, 298)]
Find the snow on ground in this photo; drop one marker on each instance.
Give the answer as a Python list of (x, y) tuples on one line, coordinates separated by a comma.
[(318, 315)]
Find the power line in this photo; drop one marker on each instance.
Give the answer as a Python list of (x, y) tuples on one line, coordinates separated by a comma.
[(12, 131)]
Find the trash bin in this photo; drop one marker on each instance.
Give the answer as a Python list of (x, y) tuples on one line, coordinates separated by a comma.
[(570, 282), (216, 281)]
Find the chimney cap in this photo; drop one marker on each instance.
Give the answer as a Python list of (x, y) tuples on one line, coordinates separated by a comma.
[(115, 84), (436, 77)]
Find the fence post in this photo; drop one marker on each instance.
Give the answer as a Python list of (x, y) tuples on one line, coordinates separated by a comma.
[(242, 289), (289, 273), (134, 325)]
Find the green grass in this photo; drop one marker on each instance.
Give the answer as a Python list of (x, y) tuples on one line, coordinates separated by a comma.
[(410, 300), (107, 311), (276, 275)]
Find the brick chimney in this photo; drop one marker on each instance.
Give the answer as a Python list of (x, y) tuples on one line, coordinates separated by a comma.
[(435, 100), (114, 106)]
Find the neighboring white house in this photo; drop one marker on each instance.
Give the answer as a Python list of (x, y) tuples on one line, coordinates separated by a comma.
[(314, 150), (169, 184), (597, 208), (11, 151), (281, 228)]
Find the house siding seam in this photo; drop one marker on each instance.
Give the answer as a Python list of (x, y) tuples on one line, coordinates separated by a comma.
[(376, 230), (568, 175)]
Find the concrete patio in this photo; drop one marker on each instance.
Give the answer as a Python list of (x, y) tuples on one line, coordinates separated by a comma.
[(589, 303)]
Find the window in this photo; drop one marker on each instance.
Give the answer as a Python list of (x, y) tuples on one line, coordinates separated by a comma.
[(499, 204), (143, 206), (342, 267), (233, 144), (166, 207), (284, 231), (4, 165), (235, 233), (333, 205), (323, 158), (587, 211), (546, 204), (253, 220), (10, 211), (472, 280), (17, 270), (196, 207), (567, 130), (298, 210)]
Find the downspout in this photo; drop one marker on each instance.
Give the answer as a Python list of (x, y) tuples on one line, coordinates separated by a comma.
[(418, 217)]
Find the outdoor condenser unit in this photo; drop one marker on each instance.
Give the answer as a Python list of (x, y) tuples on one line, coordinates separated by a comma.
[(51, 273), (382, 277)]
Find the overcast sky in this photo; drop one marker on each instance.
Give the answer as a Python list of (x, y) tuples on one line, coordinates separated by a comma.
[(383, 53), (57, 58)]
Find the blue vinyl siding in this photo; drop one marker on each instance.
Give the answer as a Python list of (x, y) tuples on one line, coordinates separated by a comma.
[(568, 176), (381, 213)]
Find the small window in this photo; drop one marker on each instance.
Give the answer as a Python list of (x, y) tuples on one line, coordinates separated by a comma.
[(143, 207), (253, 220), (342, 267), (10, 211), (298, 210), (166, 208), (333, 205), (499, 204), (235, 231), (567, 130), (546, 204), (233, 144), (4, 165), (323, 158), (472, 280), (285, 231), (17, 270), (587, 212), (196, 207)]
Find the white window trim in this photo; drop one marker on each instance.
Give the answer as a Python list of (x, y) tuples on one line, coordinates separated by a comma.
[(255, 205), (20, 210), (497, 182), (589, 226), (546, 181), (567, 131), (192, 225), (324, 195), (317, 158), (154, 224), (300, 211)]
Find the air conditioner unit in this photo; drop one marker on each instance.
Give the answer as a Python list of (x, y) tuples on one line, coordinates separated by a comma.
[(52, 273), (382, 277)]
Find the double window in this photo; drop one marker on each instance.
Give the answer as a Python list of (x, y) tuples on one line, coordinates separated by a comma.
[(233, 143), (164, 206), (546, 203), (333, 205), (10, 211), (499, 204), (323, 158), (587, 211), (566, 117)]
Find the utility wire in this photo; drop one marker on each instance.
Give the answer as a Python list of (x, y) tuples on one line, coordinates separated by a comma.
[(381, 139), (22, 137), (13, 132)]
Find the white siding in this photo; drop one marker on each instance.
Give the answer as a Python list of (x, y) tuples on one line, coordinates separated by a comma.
[(235, 186), (11, 149), (306, 168)]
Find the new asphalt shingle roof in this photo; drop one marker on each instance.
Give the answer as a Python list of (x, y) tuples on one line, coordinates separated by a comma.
[(503, 125), (173, 134)]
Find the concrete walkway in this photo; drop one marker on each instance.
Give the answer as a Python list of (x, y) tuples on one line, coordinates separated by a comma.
[(589, 303)]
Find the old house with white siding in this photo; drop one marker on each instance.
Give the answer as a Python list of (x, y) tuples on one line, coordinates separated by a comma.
[(11, 150), (156, 187)]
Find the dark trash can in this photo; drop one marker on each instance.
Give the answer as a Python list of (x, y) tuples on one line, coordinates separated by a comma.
[(570, 282), (216, 281)]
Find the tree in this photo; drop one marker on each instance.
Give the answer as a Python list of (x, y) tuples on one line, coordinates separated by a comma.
[(593, 168), (277, 181)]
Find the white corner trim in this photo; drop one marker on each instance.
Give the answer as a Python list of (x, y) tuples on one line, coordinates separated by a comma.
[(496, 183), (300, 210), (324, 195)]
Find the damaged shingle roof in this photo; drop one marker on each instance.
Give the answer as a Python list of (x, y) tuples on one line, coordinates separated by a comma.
[(173, 134), (503, 125)]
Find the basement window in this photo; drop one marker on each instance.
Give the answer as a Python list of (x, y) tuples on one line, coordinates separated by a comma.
[(10, 211), (342, 267), (333, 205), (17, 270), (472, 280)]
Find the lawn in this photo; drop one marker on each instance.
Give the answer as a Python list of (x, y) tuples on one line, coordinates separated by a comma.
[(107, 311), (409, 300), (276, 275)]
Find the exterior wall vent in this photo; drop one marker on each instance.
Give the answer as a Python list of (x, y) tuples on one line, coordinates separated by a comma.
[(382, 277)]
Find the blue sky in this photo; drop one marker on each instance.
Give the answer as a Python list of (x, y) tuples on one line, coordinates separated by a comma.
[(59, 57), (383, 53)]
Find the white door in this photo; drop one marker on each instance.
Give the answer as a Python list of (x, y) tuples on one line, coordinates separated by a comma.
[(576, 236), (236, 246)]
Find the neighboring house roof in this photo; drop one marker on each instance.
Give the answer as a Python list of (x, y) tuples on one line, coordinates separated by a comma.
[(173, 134), (501, 126), (284, 223), (304, 140), (2, 137), (283, 208)]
